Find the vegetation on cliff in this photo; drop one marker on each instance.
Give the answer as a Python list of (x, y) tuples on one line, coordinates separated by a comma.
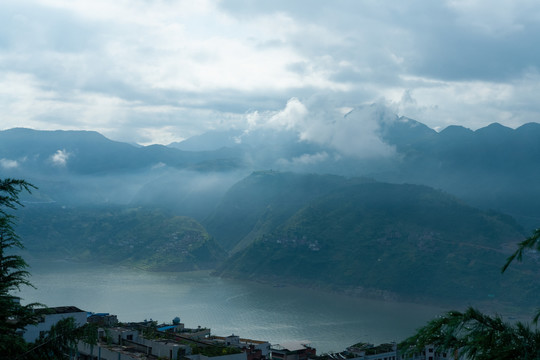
[(144, 238), (407, 241)]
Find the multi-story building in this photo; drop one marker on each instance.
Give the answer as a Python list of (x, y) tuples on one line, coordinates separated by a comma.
[(254, 349), (293, 350), (51, 316), (126, 344)]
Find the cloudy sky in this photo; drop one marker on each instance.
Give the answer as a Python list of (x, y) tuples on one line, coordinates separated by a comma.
[(160, 71)]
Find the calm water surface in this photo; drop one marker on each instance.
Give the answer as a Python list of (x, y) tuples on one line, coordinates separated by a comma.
[(329, 322)]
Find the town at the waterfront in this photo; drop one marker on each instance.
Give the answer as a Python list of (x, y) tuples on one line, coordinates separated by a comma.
[(150, 340)]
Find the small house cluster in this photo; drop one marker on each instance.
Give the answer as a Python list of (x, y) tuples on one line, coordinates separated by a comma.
[(148, 340)]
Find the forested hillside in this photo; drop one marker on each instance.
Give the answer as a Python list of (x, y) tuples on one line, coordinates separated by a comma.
[(404, 241), (335, 220), (148, 239)]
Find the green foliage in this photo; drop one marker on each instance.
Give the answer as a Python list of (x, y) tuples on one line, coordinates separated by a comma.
[(13, 316), (369, 238), (532, 242), (264, 200), (148, 239), (60, 341), (211, 351), (478, 336), (150, 330)]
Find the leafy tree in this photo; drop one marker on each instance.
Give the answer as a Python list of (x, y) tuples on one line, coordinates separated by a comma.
[(60, 342), (478, 336), (13, 316), (532, 242), (62, 338)]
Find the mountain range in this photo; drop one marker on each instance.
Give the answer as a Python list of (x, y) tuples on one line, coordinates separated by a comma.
[(495, 167), (433, 216)]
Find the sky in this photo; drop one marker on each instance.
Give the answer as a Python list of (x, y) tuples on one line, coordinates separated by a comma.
[(146, 71)]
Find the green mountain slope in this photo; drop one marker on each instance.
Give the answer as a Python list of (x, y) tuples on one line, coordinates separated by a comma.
[(135, 237), (403, 241), (257, 204)]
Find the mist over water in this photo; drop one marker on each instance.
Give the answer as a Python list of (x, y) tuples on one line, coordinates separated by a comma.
[(330, 322), (239, 195), (327, 144)]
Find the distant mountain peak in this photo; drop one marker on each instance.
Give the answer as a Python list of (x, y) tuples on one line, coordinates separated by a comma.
[(208, 141), (495, 128), (456, 131)]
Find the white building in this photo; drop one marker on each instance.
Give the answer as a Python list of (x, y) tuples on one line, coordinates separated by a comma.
[(235, 340), (126, 344), (51, 316), (292, 350)]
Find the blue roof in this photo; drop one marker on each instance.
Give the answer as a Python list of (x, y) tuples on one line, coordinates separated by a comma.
[(165, 328)]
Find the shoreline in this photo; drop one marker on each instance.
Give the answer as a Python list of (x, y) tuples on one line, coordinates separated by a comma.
[(507, 310)]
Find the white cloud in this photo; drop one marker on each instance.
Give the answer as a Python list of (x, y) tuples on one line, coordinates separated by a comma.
[(475, 104), (162, 71), (287, 119), (305, 159), (159, 165), (353, 132), (60, 157), (9, 164)]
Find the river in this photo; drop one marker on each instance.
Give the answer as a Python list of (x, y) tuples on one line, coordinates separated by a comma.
[(329, 322)]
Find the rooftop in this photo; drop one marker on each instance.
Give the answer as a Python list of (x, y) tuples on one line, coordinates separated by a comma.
[(59, 310), (292, 345)]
